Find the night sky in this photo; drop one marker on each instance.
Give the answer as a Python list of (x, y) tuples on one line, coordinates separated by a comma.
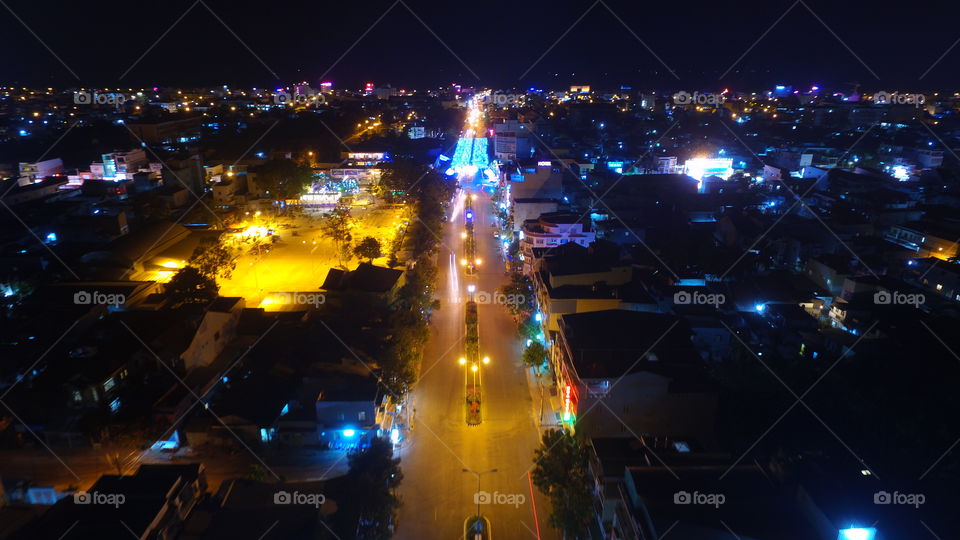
[(497, 42)]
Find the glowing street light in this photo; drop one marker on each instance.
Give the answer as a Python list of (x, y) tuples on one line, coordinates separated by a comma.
[(462, 360), (474, 368), (486, 359), (471, 288)]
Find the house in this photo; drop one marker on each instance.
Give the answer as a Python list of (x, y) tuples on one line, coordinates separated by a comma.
[(151, 504), (249, 408), (217, 328), (622, 372), (550, 231), (243, 508), (366, 278), (526, 209), (347, 409)]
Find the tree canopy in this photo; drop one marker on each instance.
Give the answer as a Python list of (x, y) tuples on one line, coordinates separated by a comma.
[(283, 178), (561, 472), (369, 508), (190, 286)]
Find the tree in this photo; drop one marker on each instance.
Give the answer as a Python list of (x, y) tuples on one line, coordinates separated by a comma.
[(521, 288), (283, 178), (257, 473), (190, 286), (561, 472), (369, 508), (368, 248), (212, 259), (336, 226), (535, 355), (397, 178)]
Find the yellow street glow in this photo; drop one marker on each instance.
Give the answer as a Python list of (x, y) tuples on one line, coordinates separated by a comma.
[(486, 359), (462, 360), (473, 367)]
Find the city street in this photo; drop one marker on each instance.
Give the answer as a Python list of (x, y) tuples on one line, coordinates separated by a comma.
[(437, 495)]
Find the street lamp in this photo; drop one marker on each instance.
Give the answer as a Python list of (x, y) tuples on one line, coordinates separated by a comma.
[(486, 359), (477, 496)]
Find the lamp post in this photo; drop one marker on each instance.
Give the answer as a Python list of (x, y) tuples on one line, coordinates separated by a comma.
[(477, 496)]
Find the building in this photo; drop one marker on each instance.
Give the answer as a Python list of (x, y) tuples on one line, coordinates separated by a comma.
[(365, 278), (217, 329), (527, 209), (347, 411), (34, 172), (926, 239), (241, 506), (552, 230), (151, 504), (624, 372), (534, 179), (510, 140), (168, 132), (120, 165)]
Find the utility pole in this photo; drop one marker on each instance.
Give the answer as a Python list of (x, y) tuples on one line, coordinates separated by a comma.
[(477, 495)]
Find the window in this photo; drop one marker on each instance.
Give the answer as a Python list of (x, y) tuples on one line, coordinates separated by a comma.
[(108, 384), (115, 405), (362, 416), (340, 416)]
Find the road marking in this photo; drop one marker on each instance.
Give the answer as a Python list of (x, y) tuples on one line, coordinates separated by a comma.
[(533, 503)]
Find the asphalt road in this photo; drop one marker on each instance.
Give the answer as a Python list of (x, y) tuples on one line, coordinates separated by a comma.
[(437, 495)]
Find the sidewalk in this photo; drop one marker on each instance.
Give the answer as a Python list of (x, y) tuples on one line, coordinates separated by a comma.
[(547, 406)]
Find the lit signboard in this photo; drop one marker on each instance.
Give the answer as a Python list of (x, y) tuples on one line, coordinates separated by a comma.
[(700, 168)]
